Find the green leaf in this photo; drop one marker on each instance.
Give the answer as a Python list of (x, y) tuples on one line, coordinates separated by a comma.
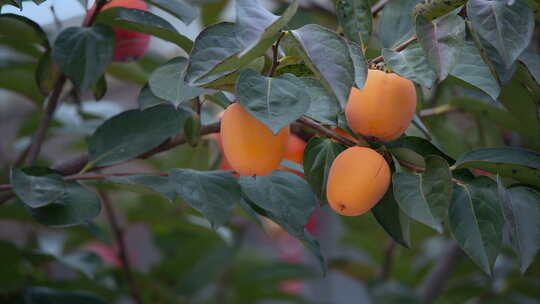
[(16, 3), (319, 155), (44, 295), (160, 184), (354, 16), (411, 63), (327, 54), (396, 24), (521, 209), (442, 41), (167, 82), (144, 22), (359, 64), (420, 146), (26, 30), (284, 195), (506, 25), (425, 197), (100, 88), (323, 106), (213, 193), (471, 68), (520, 102), (177, 8), (520, 164), (228, 82), (476, 221), (392, 219), (37, 187), (16, 78), (83, 53), (192, 130), (147, 99), (124, 137), (76, 206), (224, 47), (532, 62), (274, 101)]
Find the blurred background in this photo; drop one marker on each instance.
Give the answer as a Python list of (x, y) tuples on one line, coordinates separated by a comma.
[(176, 257)]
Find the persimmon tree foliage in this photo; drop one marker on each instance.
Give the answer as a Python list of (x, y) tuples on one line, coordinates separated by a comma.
[(423, 115)]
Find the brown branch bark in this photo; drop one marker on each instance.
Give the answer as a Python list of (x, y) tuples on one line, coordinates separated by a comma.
[(275, 52), (122, 249), (435, 281)]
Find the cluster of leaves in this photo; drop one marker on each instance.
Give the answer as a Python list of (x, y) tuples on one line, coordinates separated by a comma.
[(479, 49)]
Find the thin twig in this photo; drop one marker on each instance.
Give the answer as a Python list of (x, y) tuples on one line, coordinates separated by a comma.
[(388, 259), (377, 7), (325, 131), (438, 110), (275, 51), (37, 141), (399, 48), (435, 281), (122, 249)]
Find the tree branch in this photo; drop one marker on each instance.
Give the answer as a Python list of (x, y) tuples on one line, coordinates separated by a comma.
[(399, 48), (52, 103), (388, 259), (275, 51), (122, 249), (435, 281)]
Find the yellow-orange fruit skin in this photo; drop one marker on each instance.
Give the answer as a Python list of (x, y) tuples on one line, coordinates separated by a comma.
[(384, 108), (358, 179), (249, 146)]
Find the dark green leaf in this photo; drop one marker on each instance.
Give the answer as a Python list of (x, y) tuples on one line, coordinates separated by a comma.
[(521, 208), (167, 82), (26, 30), (411, 63), (144, 22), (77, 206), (532, 62), (276, 102), (319, 155), (224, 47), (44, 295), (178, 8), (37, 189), (420, 146), (192, 130), (442, 41), (327, 54), (213, 193), (83, 53), (396, 24), (476, 221), (359, 64), (16, 3), (517, 163), (425, 197), (315, 248), (17, 78), (147, 99), (392, 219), (285, 196), (123, 136), (472, 69), (354, 16), (160, 184), (324, 106), (507, 25)]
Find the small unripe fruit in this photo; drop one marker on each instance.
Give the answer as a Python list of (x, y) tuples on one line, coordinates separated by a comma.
[(384, 108), (128, 44), (249, 146), (358, 179)]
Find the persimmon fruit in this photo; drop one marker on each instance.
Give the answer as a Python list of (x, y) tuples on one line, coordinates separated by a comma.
[(128, 44), (384, 108), (249, 146), (358, 178)]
